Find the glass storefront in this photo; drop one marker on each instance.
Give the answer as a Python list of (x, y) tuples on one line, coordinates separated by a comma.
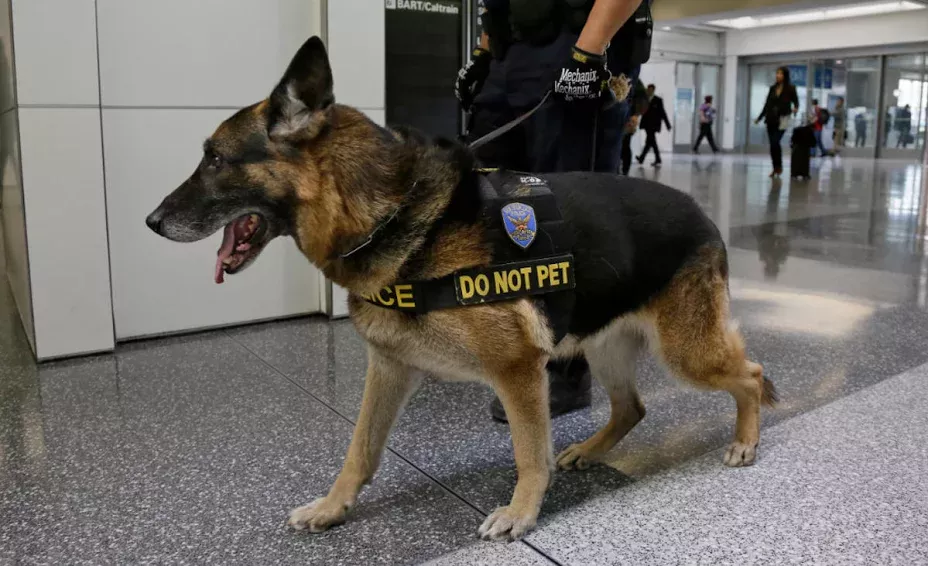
[(884, 101)]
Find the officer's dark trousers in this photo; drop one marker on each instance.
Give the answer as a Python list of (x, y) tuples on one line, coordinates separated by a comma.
[(650, 143), (558, 137)]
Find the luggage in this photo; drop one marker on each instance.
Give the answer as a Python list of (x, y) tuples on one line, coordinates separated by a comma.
[(800, 159), (802, 142)]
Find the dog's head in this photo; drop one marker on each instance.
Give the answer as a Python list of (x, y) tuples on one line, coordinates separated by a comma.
[(253, 174)]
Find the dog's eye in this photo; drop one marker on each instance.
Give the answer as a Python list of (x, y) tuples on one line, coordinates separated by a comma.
[(214, 161)]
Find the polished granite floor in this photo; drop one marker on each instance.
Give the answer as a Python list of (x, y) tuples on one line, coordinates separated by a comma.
[(193, 449)]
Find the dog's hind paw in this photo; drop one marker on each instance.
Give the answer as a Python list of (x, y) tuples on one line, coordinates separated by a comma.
[(740, 454), (507, 524), (318, 516), (574, 457)]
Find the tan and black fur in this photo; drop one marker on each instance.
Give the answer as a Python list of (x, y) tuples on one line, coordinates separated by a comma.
[(651, 273)]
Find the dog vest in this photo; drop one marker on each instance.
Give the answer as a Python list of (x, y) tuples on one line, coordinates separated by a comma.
[(531, 255)]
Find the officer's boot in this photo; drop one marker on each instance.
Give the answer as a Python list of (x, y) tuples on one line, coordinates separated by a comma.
[(571, 384)]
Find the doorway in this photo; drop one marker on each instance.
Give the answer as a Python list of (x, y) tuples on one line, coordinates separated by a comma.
[(694, 82)]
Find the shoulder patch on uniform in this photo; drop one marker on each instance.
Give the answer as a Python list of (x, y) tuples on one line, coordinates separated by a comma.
[(521, 225)]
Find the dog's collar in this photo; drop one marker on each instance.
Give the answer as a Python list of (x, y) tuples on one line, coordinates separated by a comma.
[(377, 232)]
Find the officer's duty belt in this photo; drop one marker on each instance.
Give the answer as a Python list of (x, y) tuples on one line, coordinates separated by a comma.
[(477, 286)]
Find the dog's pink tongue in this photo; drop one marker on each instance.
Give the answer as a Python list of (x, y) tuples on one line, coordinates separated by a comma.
[(225, 251)]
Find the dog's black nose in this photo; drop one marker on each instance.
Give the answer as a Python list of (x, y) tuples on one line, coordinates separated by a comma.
[(154, 221)]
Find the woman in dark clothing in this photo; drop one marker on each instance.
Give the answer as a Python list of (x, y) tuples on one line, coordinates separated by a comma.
[(782, 101)]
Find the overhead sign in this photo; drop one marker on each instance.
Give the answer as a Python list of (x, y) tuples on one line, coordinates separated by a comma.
[(450, 8), (423, 53), (799, 75)]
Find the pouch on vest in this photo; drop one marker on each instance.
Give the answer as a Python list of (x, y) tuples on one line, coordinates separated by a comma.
[(534, 21), (632, 44), (495, 22)]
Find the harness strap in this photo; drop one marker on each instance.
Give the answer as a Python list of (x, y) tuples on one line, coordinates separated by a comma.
[(482, 285), (483, 140)]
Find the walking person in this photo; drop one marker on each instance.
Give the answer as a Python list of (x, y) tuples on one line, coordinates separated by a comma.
[(782, 102), (817, 119), (639, 103), (651, 122), (903, 125), (860, 130), (631, 126), (707, 115), (840, 115)]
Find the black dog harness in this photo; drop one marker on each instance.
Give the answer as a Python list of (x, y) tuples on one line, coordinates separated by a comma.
[(531, 255)]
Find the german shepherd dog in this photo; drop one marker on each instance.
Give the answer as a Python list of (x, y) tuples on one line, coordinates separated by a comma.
[(371, 206)]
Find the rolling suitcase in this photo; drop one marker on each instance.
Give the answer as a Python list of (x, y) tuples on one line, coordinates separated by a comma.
[(802, 142), (799, 162)]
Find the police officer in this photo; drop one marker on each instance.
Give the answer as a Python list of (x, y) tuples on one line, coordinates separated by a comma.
[(570, 48)]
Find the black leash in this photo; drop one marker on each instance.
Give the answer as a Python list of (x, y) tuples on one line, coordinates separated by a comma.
[(508, 126)]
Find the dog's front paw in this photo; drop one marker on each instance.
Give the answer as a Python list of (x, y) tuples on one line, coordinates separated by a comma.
[(506, 523), (740, 454), (318, 516), (574, 457)]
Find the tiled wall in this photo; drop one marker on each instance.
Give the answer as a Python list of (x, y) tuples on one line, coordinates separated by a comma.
[(356, 36), (115, 98), (62, 174), (12, 217), (170, 72)]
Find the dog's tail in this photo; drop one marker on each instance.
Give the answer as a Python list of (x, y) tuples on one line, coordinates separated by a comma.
[(769, 396)]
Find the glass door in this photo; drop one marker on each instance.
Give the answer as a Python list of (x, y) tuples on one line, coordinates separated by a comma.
[(862, 99), (709, 76), (684, 108), (905, 107)]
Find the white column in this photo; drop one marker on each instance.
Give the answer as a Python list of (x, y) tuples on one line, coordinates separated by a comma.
[(730, 118), (63, 201), (356, 41)]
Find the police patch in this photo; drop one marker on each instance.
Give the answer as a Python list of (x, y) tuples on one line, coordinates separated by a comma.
[(520, 223)]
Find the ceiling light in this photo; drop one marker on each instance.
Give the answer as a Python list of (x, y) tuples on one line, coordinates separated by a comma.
[(666, 28), (809, 16)]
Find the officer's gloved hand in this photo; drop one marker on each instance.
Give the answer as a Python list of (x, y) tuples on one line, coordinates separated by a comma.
[(472, 76), (583, 77)]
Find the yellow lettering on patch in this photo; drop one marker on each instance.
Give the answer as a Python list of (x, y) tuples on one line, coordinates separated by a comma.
[(555, 276), (502, 285), (542, 274), (466, 283), (526, 273), (482, 284), (388, 302), (404, 296), (515, 280), (564, 265)]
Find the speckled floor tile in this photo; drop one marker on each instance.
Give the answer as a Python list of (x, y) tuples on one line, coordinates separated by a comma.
[(192, 451), (844, 484), (813, 358)]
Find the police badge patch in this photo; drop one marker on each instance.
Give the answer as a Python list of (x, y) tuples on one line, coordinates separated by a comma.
[(520, 223)]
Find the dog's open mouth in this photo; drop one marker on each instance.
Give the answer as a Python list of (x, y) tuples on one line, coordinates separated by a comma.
[(242, 241)]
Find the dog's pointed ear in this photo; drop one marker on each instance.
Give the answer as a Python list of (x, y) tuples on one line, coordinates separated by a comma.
[(299, 102)]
